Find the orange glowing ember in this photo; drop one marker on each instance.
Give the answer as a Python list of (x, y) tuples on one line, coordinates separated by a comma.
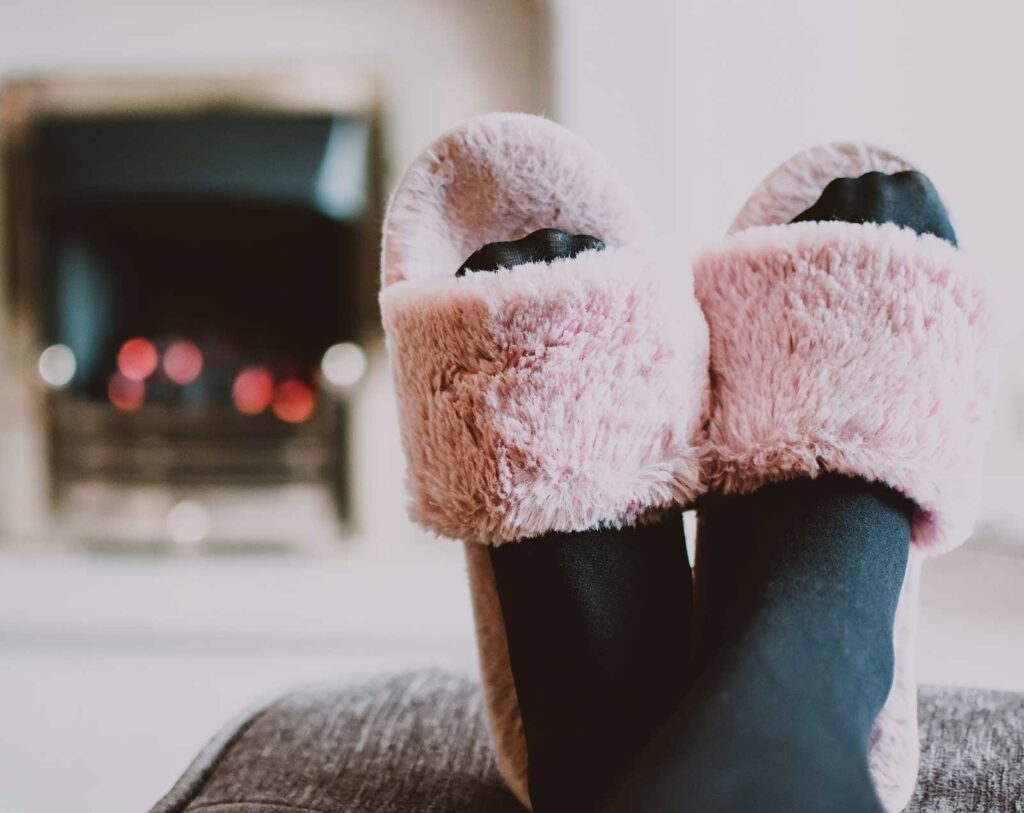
[(125, 393), (183, 362), (293, 401), (253, 390), (137, 359)]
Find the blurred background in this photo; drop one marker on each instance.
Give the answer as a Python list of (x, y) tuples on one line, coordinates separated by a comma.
[(200, 475)]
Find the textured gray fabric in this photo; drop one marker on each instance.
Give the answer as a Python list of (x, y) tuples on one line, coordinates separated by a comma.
[(415, 742), (972, 752), (418, 742)]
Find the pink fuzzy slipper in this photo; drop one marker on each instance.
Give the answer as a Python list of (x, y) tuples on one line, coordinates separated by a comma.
[(861, 349), (555, 397)]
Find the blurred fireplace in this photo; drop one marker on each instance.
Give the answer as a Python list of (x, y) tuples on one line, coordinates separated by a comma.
[(190, 270)]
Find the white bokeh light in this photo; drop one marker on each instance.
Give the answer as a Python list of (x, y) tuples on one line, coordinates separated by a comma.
[(188, 522), (343, 364), (57, 365)]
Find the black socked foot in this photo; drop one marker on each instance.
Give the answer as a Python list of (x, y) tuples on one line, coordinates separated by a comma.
[(597, 622), (908, 199), (543, 245), (598, 626), (797, 585)]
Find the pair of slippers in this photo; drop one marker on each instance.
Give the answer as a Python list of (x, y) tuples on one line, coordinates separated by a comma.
[(605, 388)]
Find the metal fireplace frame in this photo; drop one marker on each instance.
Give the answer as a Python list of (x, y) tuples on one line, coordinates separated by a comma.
[(43, 515)]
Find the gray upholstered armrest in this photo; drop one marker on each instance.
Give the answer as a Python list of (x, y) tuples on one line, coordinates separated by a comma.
[(418, 743)]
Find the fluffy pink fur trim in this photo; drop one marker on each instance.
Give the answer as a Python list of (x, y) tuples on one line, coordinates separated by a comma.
[(551, 398), (500, 177), (499, 687), (854, 348), (895, 752), (797, 183)]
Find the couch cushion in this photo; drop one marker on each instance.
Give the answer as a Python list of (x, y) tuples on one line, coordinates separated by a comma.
[(418, 743), (972, 752)]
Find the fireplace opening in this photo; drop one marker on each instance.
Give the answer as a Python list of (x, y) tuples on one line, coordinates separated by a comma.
[(195, 283)]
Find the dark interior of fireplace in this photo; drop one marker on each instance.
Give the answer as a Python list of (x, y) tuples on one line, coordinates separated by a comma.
[(195, 268)]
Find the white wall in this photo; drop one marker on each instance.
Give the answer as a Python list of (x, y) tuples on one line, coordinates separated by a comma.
[(441, 61)]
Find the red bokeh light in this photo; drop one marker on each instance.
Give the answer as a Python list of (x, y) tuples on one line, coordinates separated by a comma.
[(183, 362), (137, 359), (253, 390), (294, 401), (125, 393)]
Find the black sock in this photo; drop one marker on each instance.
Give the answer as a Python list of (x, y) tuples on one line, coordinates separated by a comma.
[(796, 590), (907, 199), (543, 245), (597, 622), (598, 626), (797, 642)]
